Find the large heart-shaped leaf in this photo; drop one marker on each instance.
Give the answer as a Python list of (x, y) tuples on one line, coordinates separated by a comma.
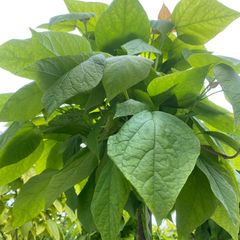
[(200, 20), (156, 152), (123, 21)]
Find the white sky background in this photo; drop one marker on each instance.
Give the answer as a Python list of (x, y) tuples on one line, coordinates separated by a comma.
[(17, 16)]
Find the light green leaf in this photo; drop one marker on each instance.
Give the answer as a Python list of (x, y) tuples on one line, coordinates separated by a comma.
[(25, 104), (199, 21), (42, 190), (109, 199), (13, 171), (130, 107), (67, 22), (18, 142), (139, 46), (47, 71), (75, 6), (156, 152), (186, 85), (123, 21), (204, 59), (123, 72), (80, 79), (4, 98), (195, 204), (53, 44), (53, 230), (224, 185), (230, 83)]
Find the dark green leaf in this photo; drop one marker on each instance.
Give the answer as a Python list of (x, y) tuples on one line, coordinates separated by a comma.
[(156, 152), (199, 21), (195, 204), (123, 21), (139, 46), (123, 72), (23, 105), (161, 26), (109, 199), (80, 79)]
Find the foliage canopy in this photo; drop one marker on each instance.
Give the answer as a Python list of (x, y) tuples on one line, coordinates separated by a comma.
[(116, 125)]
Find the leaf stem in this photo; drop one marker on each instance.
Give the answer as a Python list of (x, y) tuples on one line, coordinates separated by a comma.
[(126, 95)]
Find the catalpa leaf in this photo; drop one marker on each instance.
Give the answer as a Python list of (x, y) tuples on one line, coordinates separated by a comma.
[(156, 152), (195, 204), (186, 85), (109, 199), (199, 21), (41, 191), (224, 185), (75, 6), (80, 79), (139, 46), (123, 21), (230, 83), (23, 105), (123, 72)]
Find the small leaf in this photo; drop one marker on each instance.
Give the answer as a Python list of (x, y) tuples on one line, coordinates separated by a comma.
[(25, 104), (42, 190), (186, 85), (53, 230), (156, 152), (161, 26), (80, 79), (130, 107), (195, 204), (109, 199), (123, 21), (199, 26), (75, 6), (165, 13), (230, 83), (139, 46), (123, 72)]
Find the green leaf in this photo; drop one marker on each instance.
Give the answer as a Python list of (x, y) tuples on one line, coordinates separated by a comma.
[(139, 46), (25, 104), (109, 199), (230, 83), (53, 230), (47, 71), (224, 185), (215, 115), (84, 200), (53, 44), (98, 8), (123, 72), (41, 191), (13, 171), (195, 204), (4, 98), (146, 151), (186, 85), (199, 21), (123, 21), (129, 107), (80, 79), (67, 22), (18, 142), (161, 26)]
